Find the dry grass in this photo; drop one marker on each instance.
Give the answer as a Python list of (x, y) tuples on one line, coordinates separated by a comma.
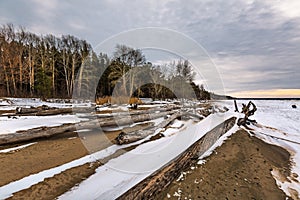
[(118, 100)]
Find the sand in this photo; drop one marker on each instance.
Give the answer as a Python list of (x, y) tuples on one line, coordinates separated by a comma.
[(45, 154), (239, 169)]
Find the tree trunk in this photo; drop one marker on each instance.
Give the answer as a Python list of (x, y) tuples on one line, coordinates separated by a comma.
[(7, 81), (53, 77), (124, 80), (31, 72), (21, 73), (80, 76), (73, 73), (67, 75), (13, 78)]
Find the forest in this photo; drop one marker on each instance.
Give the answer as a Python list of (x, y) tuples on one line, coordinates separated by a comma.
[(48, 66)]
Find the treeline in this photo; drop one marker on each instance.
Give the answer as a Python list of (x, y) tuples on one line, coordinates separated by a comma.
[(33, 65), (49, 66)]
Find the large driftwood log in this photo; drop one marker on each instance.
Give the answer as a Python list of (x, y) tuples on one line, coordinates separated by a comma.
[(139, 112), (125, 120), (159, 180), (35, 133), (54, 112), (41, 132), (125, 137), (21, 110), (40, 111)]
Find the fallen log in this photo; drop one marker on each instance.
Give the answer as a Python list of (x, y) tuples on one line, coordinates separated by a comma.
[(47, 111), (22, 110), (42, 132), (40, 111), (54, 112), (125, 137), (125, 120), (35, 133), (139, 112), (159, 180), (137, 127)]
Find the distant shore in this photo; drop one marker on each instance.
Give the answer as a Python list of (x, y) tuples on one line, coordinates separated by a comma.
[(266, 98)]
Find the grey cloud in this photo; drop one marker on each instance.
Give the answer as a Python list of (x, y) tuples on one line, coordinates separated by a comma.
[(234, 32)]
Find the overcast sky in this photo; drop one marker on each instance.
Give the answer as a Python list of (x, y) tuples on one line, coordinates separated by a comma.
[(254, 44)]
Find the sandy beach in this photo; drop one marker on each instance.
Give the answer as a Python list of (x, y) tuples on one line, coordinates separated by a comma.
[(239, 169)]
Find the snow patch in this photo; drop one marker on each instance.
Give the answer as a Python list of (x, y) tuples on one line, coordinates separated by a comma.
[(16, 148), (176, 124), (10, 125)]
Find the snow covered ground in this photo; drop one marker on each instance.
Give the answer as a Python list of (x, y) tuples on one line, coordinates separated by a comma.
[(123, 172), (11, 125), (12, 103), (17, 123)]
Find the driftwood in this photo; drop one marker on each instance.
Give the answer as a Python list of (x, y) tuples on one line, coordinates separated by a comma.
[(125, 137), (21, 110), (139, 112), (248, 111), (159, 180), (41, 111), (45, 111), (204, 112), (35, 133), (54, 112), (137, 127), (236, 109), (41, 132)]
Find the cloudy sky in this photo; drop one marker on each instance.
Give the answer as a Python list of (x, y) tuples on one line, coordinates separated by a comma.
[(255, 44)]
